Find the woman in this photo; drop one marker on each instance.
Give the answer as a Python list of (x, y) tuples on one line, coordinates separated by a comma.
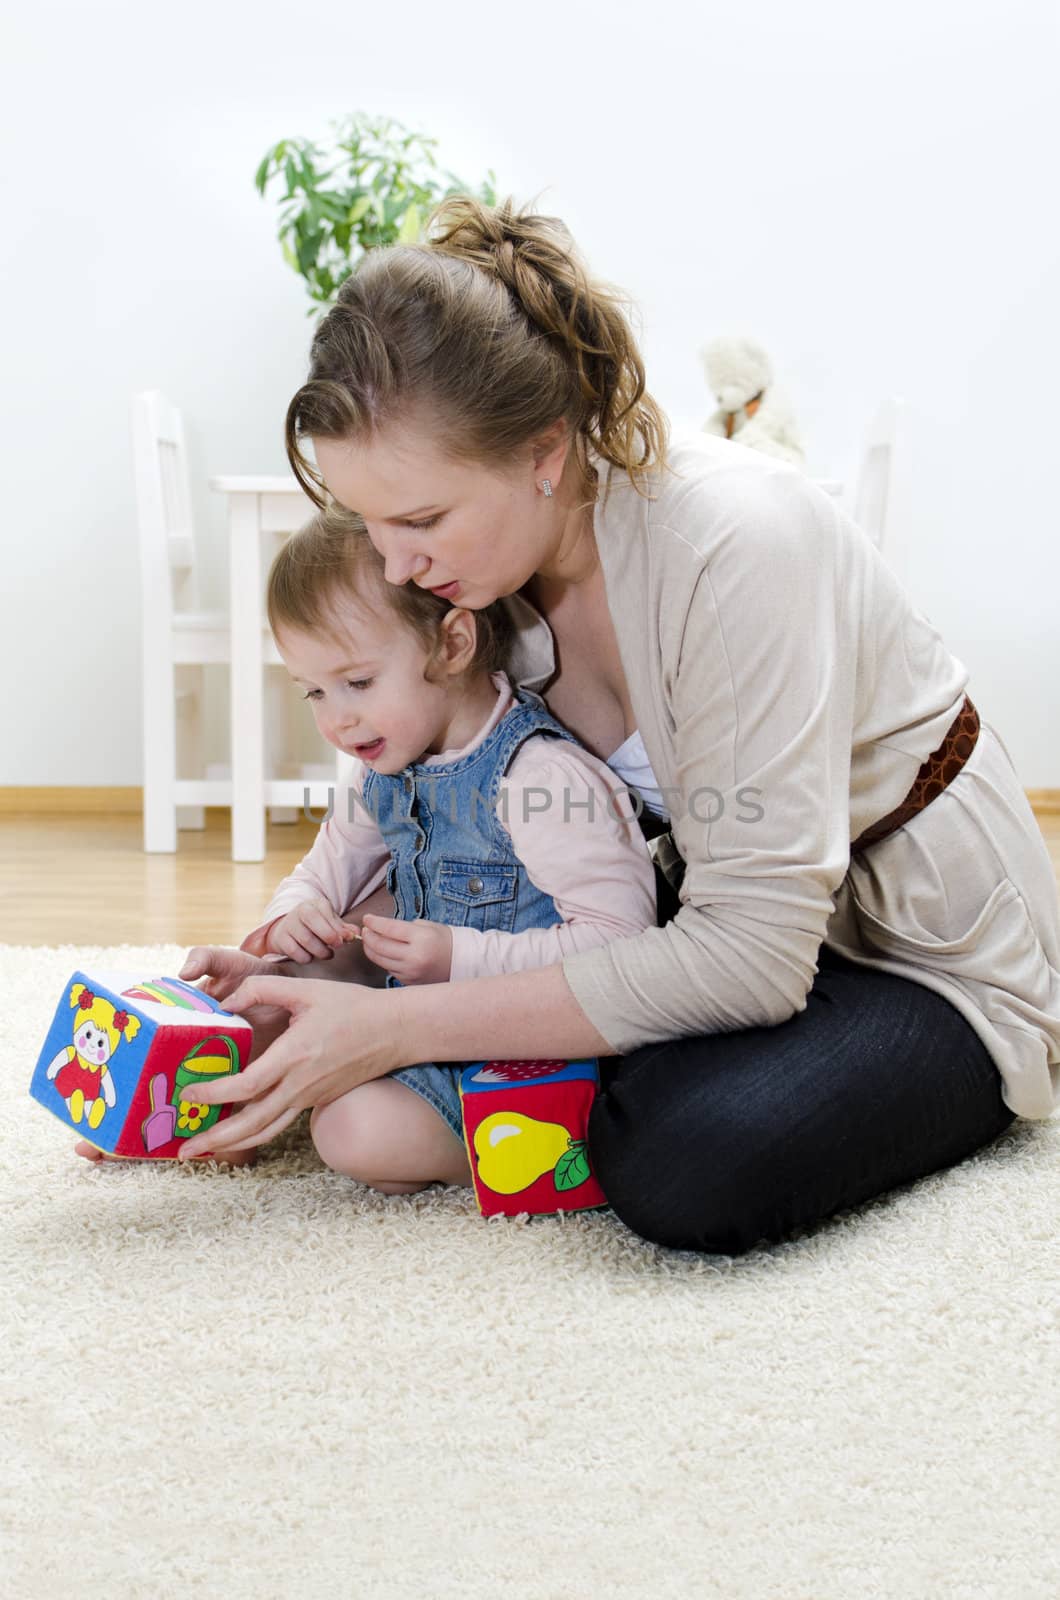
[(856, 977)]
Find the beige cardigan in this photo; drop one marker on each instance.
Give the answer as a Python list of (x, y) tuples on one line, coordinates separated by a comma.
[(787, 691)]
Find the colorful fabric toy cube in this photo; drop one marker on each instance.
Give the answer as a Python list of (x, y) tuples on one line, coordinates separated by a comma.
[(525, 1128), (124, 1054)]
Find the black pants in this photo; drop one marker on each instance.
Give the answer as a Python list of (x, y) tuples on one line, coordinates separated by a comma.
[(717, 1143)]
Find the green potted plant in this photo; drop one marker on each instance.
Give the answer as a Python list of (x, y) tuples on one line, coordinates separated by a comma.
[(373, 182)]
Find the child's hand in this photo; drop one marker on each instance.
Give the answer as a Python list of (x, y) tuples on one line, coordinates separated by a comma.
[(415, 952), (311, 932)]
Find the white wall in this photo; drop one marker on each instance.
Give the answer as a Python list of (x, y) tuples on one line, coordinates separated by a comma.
[(870, 192)]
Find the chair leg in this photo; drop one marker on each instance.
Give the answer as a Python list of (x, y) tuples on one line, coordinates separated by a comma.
[(279, 733), (246, 704), (160, 759), (191, 745)]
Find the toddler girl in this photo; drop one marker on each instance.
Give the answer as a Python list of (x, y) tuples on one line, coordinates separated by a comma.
[(503, 843)]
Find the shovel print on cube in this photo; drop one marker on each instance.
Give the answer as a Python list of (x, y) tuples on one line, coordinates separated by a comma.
[(159, 1127)]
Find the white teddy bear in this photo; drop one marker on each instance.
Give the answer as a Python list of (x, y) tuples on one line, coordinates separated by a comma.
[(751, 409)]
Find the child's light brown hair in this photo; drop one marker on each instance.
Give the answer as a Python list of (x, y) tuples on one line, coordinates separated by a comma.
[(333, 557)]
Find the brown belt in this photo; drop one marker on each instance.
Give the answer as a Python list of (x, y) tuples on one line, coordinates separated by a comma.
[(940, 769)]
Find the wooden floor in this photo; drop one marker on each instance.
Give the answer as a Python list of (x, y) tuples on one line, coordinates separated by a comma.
[(85, 880)]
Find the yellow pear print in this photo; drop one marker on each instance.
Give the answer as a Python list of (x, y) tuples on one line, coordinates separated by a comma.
[(515, 1150)]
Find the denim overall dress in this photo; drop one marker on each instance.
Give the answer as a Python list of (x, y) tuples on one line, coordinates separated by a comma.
[(451, 860)]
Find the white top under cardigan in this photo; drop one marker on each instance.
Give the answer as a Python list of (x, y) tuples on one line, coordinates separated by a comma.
[(630, 762), (786, 692)]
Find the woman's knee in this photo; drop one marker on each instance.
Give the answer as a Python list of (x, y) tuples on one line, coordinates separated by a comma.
[(677, 1169), (718, 1145)]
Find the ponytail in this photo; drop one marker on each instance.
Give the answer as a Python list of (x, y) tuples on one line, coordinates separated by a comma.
[(495, 327)]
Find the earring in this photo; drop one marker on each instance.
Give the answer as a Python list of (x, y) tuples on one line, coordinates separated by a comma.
[(546, 488)]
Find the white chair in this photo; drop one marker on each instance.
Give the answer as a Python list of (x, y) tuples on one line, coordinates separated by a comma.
[(879, 498), (179, 639)]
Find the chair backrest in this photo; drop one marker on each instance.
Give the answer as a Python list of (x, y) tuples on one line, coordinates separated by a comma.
[(163, 502), (875, 503)]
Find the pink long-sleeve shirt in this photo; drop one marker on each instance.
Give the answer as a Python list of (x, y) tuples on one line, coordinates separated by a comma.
[(584, 848)]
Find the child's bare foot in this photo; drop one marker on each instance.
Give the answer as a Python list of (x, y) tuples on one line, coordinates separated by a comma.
[(239, 1158), (235, 1158), (90, 1153)]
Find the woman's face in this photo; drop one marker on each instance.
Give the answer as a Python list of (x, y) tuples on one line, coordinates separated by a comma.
[(473, 532)]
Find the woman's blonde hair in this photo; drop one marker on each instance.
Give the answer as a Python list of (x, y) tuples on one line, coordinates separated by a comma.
[(496, 329), (332, 558)]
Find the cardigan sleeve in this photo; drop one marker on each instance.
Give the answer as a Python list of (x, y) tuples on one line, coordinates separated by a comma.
[(761, 700)]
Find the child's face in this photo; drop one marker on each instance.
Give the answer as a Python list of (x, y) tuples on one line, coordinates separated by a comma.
[(367, 690)]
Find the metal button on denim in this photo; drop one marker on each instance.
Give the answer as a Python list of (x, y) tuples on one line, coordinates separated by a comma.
[(408, 785), (474, 885)]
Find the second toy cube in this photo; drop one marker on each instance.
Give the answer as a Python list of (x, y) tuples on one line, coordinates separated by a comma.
[(525, 1128)]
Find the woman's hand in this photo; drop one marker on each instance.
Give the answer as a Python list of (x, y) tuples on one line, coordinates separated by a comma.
[(415, 952), (222, 969), (339, 1036)]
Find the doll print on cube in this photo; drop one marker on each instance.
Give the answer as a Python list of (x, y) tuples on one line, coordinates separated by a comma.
[(124, 1056)]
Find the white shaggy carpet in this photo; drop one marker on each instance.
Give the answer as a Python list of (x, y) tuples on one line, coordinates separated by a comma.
[(275, 1382)]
